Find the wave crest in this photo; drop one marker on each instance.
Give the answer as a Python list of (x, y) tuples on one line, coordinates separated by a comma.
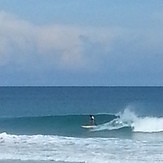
[(138, 124)]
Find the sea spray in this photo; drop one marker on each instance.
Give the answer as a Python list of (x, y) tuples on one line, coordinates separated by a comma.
[(129, 119), (142, 124)]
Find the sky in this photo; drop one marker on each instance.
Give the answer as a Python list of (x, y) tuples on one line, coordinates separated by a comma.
[(81, 43)]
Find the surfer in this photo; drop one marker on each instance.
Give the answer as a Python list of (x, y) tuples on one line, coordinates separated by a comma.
[(92, 123), (92, 120)]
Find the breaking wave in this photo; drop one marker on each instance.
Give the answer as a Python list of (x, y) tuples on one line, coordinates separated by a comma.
[(129, 119), (70, 125)]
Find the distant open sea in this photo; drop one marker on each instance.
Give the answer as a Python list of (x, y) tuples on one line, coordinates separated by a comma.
[(43, 124)]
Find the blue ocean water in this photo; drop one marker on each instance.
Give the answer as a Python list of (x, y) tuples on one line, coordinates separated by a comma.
[(44, 124)]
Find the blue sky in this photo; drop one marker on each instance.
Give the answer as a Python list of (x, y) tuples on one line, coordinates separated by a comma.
[(81, 43)]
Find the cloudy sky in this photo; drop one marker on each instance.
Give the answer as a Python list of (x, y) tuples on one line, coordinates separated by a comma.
[(81, 43)]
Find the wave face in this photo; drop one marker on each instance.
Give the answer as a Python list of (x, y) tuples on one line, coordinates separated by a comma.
[(122, 124), (65, 125)]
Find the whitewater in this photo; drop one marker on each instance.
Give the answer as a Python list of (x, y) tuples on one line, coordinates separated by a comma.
[(129, 119), (88, 150)]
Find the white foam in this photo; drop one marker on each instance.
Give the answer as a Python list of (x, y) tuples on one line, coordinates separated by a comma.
[(88, 150), (139, 124), (112, 125), (142, 124), (148, 124)]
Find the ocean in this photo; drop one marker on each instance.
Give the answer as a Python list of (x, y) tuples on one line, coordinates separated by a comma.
[(43, 124)]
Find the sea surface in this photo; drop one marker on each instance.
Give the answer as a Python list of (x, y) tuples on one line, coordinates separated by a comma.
[(43, 124)]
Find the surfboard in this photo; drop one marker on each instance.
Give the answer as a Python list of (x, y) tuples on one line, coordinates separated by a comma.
[(89, 126)]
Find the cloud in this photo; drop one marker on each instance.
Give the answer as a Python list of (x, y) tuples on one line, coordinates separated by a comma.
[(73, 47), (62, 46), (29, 47), (59, 45), (16, 37)]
